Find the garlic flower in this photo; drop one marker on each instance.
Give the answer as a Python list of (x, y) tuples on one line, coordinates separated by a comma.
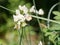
[(17, 12), (28, 17), (32, 9), (20, 19), (24, 9), (41, 12), (40, 43)]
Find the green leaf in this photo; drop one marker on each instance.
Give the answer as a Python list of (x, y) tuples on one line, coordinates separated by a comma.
[(55, 27), (44, 30), (47, 33), (58, 41), (53, 37), (56, 13), (57, 18)]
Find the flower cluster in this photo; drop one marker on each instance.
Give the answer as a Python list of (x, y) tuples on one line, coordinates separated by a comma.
[(24, 14), (40, 12)]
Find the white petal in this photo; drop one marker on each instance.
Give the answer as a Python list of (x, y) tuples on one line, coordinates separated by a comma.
[(20, 7), (25, 9), (28, 17), (41, 12), (21, 18), (17, 12), (32, 9), (15, 18)]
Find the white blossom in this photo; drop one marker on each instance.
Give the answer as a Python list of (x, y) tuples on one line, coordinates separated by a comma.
[(17, 12), (15, 18), (18, 18), (32, 9), (24, 9), (41, 12), (28, 17), (40, 43), (20, 7)]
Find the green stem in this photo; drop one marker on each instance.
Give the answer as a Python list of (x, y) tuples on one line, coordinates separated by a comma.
[(6, 8), (46, 19), (30, 38), (38, 19), (49, 13), (26, 36), (20, 36)]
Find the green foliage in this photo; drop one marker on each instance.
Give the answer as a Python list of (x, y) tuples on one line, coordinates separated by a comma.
[(52, 35), (57, 13), (58, 41), (57, 18), (11, 35), (53, 32)]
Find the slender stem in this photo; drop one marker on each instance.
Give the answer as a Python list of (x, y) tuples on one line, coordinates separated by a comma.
[(46, 19), (26, 36), (23, 36), (38, 19), (36, 14), (49, 13), (30, 38), (20, 36), (6, 8)]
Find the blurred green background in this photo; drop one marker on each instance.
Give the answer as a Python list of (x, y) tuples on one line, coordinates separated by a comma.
[(9, 36)]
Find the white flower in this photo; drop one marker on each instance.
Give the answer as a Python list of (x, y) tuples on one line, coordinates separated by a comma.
[(15, 18), (24, 9), (32, 9), (40, 43), (28, 17), (21, 18), (20, 7), (18, 18), (41, 12), (17, 12)]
